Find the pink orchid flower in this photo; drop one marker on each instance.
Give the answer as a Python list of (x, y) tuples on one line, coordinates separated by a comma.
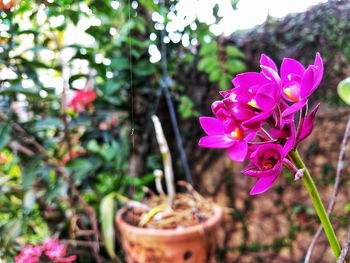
[(266, 162), (256, 119), (297, 83)]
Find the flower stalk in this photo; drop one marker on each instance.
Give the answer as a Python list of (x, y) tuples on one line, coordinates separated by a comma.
[(317, 203)]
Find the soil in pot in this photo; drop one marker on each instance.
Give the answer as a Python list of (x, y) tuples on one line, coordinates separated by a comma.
[(186, 211), (186, 234)]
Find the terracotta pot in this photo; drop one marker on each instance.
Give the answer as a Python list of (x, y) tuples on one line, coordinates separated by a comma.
[(195, 244)]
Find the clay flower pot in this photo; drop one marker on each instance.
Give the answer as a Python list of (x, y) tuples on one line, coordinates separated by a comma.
[(195, 244)]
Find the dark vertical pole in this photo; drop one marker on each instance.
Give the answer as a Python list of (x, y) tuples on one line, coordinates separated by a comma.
[(165, 82)]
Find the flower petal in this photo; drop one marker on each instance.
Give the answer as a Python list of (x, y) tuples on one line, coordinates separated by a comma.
[(308, 81), (241, 111), (251, 136), (308, 124), (211, 126), (263, 184), (294, 108), (216, 141), (271, 74), (249, 80), (267, 97), (319, 69), (268, 62), (290, 143), (291, 66), (258, 118), (262, 174), (238, 151)]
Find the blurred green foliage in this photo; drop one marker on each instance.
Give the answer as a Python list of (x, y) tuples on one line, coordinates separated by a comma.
[(49, 49), (344, 90)]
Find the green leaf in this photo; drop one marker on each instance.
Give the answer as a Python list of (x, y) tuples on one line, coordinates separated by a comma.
[(233, 51), (110, 87), (234, 4), (12, 230), (186, 107), (224, 83), (134, 42), (209, 48), (109, 151), (30, 172), (207, 64), (144, 68), (47, 123), (113, 100), (150, 5), (347, 207), (29, 31), (82, 166), (107, 210), (120, 63), (147, 179), (18, 89), (344, 90), (37, 48), (215, 75), (235, 66), (93, 146), (5, 131), (188, 58)]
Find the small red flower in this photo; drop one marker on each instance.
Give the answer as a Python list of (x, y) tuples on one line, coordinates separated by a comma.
[(82, 99), (3, 159), (69, 156), (7, 4)]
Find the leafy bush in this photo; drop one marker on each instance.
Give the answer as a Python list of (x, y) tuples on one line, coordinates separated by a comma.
[(70, 70)]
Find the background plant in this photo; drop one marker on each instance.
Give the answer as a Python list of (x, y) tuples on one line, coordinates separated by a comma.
[(62, 171)]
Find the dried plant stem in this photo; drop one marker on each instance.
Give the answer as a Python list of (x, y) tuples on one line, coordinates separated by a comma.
[(159, 176), (316, 201), (345, 249), (166, 157), (331, 204)]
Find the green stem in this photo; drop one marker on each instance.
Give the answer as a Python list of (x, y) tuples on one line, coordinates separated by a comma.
[(316, 201)]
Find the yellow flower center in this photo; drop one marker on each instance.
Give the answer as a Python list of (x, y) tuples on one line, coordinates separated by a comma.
[(288, 92), (237, 134), (252, 103)]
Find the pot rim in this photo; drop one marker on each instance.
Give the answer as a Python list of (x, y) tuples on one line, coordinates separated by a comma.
[(196, 230)]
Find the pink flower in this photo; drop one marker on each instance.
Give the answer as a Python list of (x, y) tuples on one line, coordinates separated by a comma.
[(256, 119), (82, 100), (266, 164), (297, 83), (29, 254), (306, 125), (253, 100), (225, 134), (56, 251), (51, 248)]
